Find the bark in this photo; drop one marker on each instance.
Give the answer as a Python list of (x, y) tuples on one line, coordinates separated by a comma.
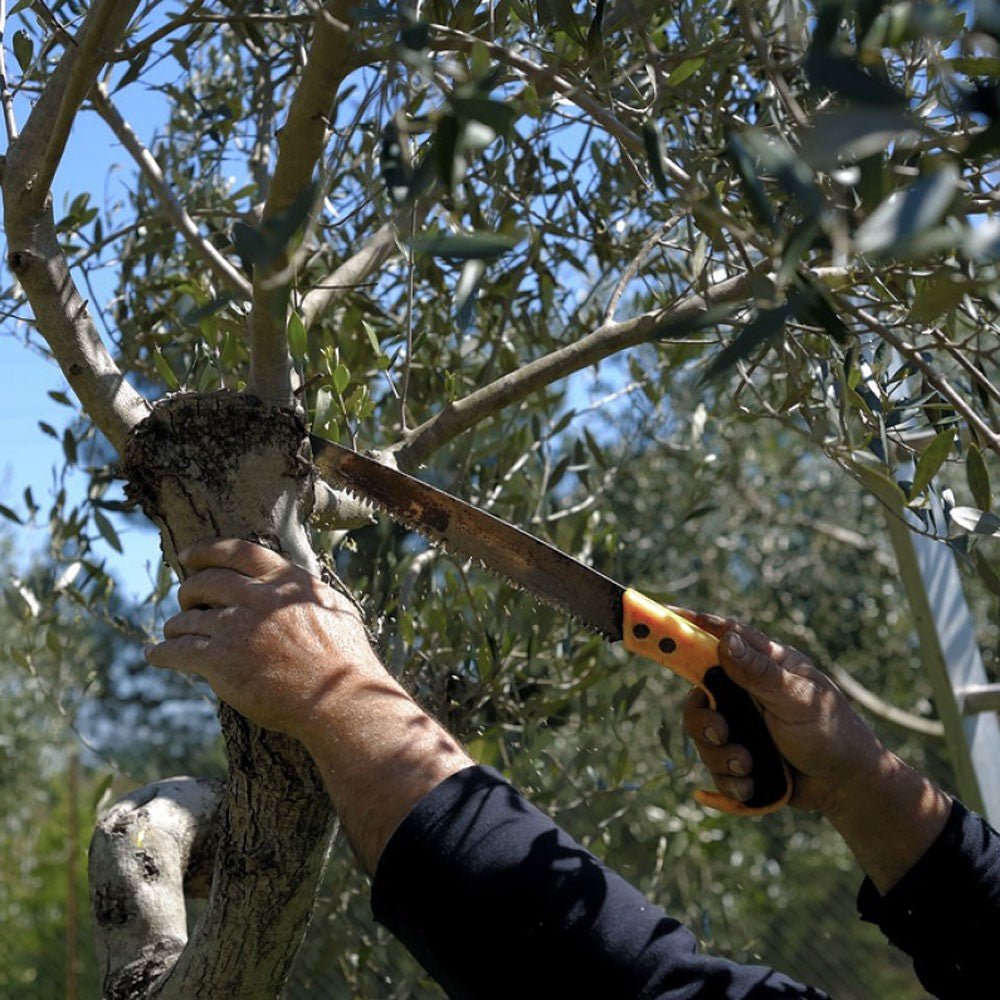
[(300, 148), (226, 464), (33, 251), (149, 850)]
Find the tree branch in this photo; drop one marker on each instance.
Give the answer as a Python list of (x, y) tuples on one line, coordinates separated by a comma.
[(224, 271), (882, 709), (351, 272), (6, 99), (34, 254), (300, 147), (148, 850), (934, 377), (573, 92), (578, 94), (40, 146), (361, 264), (607, 339)]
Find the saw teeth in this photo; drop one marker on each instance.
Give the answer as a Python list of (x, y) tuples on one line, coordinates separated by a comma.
[(456, 551)]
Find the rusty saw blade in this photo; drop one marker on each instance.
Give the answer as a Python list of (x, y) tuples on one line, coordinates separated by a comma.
[(524, 560), (647, 628)]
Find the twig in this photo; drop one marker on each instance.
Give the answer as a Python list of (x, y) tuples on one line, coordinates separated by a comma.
[(883, 709), (775, 75), (573, 92), (404, 388), (957, 352), (630, 272), (934, 378), (576, 93), (227, 274), (189, 18), (5, 95)]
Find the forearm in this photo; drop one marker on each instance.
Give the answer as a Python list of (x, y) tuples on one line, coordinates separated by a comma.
[(889, 818), (945, 911), (379, 753), (496, 901)]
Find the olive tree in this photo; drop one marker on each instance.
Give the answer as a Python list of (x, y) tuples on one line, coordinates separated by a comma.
[(410, 228)]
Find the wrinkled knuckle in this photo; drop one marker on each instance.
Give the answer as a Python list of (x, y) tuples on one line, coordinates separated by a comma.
[(760, 665)]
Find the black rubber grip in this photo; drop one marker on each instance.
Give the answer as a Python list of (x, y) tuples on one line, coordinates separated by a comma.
[(747, 727)]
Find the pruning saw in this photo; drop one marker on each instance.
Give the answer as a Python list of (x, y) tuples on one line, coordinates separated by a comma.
[(618, 613)]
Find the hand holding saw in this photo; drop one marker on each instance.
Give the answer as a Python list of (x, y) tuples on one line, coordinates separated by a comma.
[(618, 613)]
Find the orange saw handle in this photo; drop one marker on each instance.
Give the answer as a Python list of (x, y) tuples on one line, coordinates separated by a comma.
[(661, 635)]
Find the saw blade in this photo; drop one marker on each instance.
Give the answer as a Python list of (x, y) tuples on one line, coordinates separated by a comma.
[(526, 561)]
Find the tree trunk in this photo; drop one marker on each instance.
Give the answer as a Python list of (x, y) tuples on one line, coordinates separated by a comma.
[(219, 465)]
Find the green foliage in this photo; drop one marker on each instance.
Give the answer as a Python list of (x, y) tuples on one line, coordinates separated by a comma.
[(35, 871), (68, 689)]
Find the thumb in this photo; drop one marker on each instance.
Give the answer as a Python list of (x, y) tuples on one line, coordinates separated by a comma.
[(750, 668)]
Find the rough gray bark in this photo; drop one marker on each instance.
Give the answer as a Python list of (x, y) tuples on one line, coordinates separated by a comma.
[(210, 465), (152, 848), (33, 251)]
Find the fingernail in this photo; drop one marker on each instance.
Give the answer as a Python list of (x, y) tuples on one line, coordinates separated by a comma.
[(147, 649), (736, 646), (736, 767), (182, 556), (712, 736)]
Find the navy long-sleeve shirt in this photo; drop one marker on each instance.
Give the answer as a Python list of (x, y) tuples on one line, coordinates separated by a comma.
[(495, 900)]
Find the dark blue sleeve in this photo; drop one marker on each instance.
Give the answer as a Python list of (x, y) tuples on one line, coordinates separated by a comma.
[(495, 900), (945, 912)]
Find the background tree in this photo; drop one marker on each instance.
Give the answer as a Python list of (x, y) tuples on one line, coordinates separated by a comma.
[(400, 227)]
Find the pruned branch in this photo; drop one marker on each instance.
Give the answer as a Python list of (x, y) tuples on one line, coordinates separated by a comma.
[(337, 510), (300, 148), (224, 271), (223, 464), (607, 339)]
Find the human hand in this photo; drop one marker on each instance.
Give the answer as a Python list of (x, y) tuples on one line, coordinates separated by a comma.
[(272, 640), (828, 746), (888, 813)]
